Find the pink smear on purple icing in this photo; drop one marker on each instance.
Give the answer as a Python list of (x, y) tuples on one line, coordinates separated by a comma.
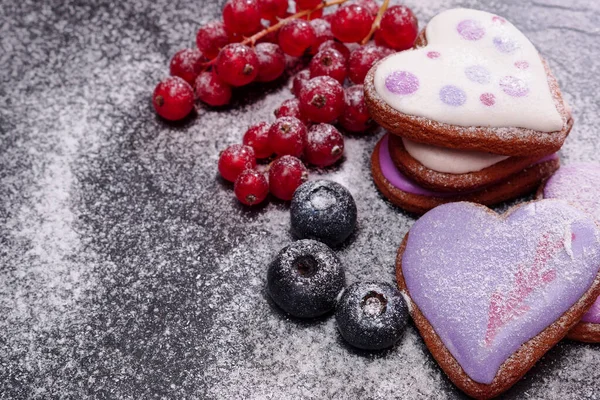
[(487, 285), (579, 184)]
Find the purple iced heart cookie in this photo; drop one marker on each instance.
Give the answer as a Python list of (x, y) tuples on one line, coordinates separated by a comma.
[(492, 293), (579, 184)]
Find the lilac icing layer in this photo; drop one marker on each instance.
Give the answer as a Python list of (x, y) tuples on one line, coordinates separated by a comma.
[(402, 182), (579, 184), (487, 284)]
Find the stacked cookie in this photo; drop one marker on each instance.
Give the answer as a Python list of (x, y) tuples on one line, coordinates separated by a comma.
[(473, 113)]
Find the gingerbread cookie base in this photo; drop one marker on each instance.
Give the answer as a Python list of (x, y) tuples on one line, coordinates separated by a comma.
[(517, 365), (520, 184), (510, 141), (447, 182)]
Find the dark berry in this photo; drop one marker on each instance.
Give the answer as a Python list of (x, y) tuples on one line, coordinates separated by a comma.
[(305, 279), (257, 137), (251, 187), (187, 64), (399, 27), (361, 60), (296, 36), (329, 62), (287, 136), (212, 90), (351, 23), (290, 108), (236, 159), (356, 117), (341, 47), (322, 99), (323, 210), (237, 64), (324, 145), (307, 4), (173, 98), (271, 62), (371, 315), (241, 16), (211, 38), (299, 80), (285, 175)]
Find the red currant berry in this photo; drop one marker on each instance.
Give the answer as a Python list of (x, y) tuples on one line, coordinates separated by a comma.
[(311, 15), (241, 16), (399, 27), (272, 9), (324, 145), (234, 160), (187, 64), (323, 33), (271, 62), (307, 4), (290, 108), (361, 60), (299, 80), (351, 23), (212, 90), (211, 38), (287, 136), (285, 175), (257, 137), (370, 5), (322, 99), (356, 117), (296, 36), (329, 62), (332, 44), (271, 37), (237, 64), (173, 98), (251, 187)]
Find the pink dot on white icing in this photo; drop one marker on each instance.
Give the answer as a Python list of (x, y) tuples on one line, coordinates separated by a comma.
[(488, 99), (522, 64), (470, 29), (514, 86), (402, 82), (498, 20), (478, 73), (453, 96), (505, 44), (433, 54)]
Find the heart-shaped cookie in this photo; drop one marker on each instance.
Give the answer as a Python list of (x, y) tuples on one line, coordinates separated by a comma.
[(491, 294), (579, 184), (475, 83)]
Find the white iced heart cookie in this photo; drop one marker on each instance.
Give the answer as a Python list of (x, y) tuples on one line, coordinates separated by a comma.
[(476, 70)]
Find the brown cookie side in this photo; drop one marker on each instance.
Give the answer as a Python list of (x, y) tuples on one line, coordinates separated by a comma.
[(517, 365), (518, 185), (585, 332), (447, 182), (509, 141)]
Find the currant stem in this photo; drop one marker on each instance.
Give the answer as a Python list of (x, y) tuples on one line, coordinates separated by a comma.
[(377, 21), (252, 39)]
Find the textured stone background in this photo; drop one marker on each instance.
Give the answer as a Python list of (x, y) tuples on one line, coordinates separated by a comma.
[(127, 268)]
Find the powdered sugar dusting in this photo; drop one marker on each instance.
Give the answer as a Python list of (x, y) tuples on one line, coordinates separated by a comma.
[(127, 267)]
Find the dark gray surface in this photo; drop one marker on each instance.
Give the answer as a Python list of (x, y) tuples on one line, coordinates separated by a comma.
[(127, 268)]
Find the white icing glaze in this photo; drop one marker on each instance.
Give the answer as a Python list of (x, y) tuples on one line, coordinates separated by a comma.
[(477, 70), (450, 161)]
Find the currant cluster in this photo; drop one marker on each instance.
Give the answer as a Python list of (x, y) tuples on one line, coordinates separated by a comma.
[(252, 40)]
